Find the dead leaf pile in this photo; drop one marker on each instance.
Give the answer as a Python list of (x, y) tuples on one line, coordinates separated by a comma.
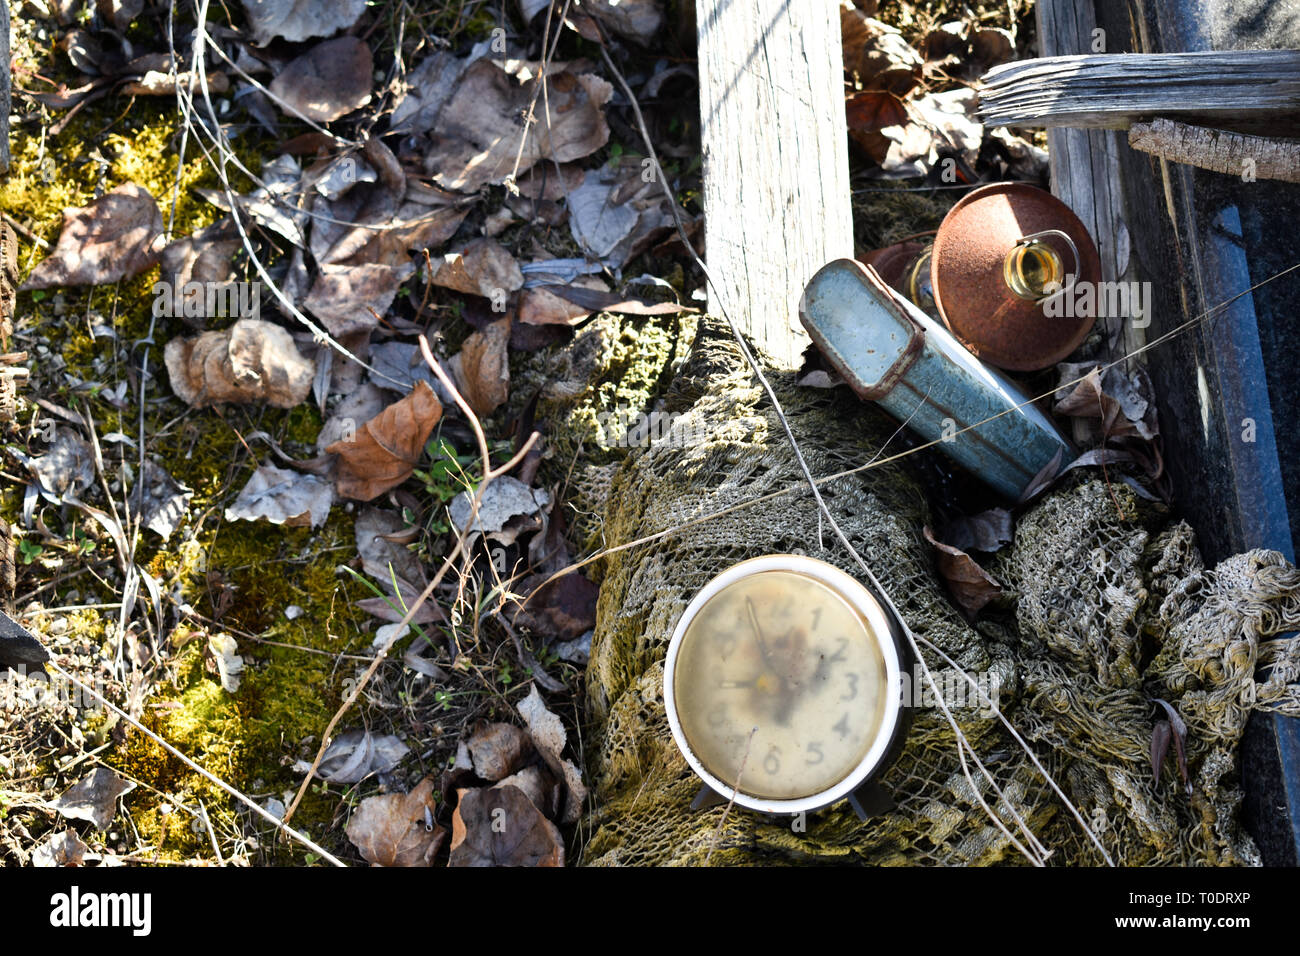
[(910, 128)]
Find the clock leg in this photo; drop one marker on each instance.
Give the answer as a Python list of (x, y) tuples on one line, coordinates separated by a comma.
[(870, 800), (706, 798)]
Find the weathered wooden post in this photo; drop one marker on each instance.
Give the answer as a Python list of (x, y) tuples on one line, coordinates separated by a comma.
[(776, 170)]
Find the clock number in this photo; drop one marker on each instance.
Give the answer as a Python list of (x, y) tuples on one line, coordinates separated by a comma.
[(727, 644), (814, 750), (853, 687), (839, 654), (772, 762), (717, 716), (817, 617), (842, 727)]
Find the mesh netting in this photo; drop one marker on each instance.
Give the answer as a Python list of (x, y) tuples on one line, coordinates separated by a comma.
[(1112, 610)]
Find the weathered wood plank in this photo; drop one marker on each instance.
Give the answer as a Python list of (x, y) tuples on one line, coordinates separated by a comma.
[(1113, 90), (776, 175), (1234, 154), (1084, 163)]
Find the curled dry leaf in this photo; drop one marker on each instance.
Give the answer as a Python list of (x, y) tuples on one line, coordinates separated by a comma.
[(397, 829), (252, 361), (355, 755), (93, 797), (296, 20), (1119, 402), (60, 849), (68, 465), (482, 368), (157, 83), (970, 585), (1178, 731), (285, 497), (540, 787), (328, 81), (498, 750), (159, 499), (388, 447), (875, 54), (483, 268), (503, 499), (222, 658), (381, 537), (545, 305), (549, 737), (618, 212), (502, 827), (117, 236), (346, 298)]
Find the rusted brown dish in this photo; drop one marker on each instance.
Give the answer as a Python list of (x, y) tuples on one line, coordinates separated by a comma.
[(967, 272)]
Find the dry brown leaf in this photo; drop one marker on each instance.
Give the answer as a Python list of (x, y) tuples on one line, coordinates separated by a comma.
[(498, 750), (480, 128), (970, 585), (397, 829), (93, 797), (875, 54), (328, 81), (297, 20), (483, 267), (252, 361), (987, 531), (482, 368), (541, 305), (618, 212), (202, 256), (117, 236), (501, 827), (563, 610), (388, 447), (540, 787), (1116, 400), (346, 298), (355, 409)]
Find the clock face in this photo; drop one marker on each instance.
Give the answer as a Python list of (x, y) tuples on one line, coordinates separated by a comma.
[(779, 685)]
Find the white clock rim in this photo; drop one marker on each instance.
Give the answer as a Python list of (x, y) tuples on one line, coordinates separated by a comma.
[(861, 599)]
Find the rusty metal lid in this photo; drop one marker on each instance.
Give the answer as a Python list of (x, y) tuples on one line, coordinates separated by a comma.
[(994, 251)]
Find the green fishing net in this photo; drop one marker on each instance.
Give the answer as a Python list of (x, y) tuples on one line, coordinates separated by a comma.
[(1107, 607)]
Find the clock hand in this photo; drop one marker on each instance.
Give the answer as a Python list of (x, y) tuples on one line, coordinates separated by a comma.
[(758, 632)]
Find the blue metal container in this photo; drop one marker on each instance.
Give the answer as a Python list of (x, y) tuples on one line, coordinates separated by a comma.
[(890, 352)]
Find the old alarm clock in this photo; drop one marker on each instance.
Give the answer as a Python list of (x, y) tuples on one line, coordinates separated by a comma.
[(783, 685)]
